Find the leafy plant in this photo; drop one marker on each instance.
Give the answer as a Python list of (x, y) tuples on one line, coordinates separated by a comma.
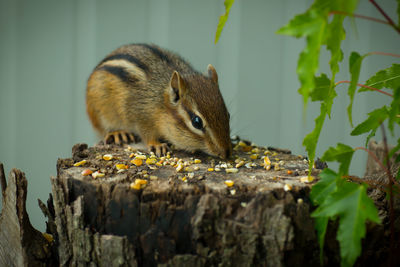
[(338, 195)]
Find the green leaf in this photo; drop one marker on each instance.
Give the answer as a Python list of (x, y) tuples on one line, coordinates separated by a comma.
[(394, 110), (321, 90), (342, 154), (353, 207), (355, 67), (335, 35), (374, 120), (324, 187), (222, 19), (321, 224), (311, 139), (387, 78)]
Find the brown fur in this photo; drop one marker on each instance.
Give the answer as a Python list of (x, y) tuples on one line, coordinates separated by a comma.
[(131, 91)]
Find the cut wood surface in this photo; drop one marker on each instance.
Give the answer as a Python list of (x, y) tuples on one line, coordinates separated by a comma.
[(184, 209)]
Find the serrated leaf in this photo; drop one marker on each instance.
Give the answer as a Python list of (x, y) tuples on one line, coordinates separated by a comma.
[(321, 90), (321, 224), (387, 78), (354, 67), (324, 187), (353, 207), (341, 153), (222, 19), (335, 35), (311, 139), (302, 25), (374, 120), (394, 110)]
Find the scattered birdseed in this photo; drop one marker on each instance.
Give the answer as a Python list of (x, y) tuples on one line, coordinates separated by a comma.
[(48, 237), (287, 187), (137, 162), (196, 168), (267, 163), (239, 164), (179, 167), (151, 161), (80, 163), (306, 179), (121, 166), (142, 157), (231, 170), (229, 183), (190, 175), (87, 172), (97, 174), (300, 201), (108, 157), (217, 169), (210, 169), (254, 156), (197, 161), (289, 172), (233, 192)]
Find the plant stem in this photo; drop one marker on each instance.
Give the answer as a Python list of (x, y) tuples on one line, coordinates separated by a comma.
[(366, 86), (383, 54), (389, 20), (391, 208), (358, 16)]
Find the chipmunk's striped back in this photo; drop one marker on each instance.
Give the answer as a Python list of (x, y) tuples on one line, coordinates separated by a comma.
[(154, 93)]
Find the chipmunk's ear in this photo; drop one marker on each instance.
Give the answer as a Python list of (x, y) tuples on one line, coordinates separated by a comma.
[(177, 88), (212, 73)]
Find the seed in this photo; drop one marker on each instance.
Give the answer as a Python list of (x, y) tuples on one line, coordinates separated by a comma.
[(254, 156), (267, 163), (239, 164), (306, 179), (97, 174), (131, 155), (143, 157), (255, 150), (233, 192), (151, 161), (287, 187), (80, 163), (48, 237), (190, 175), (229, 183), (217, 169), (137, 162), (87, 172), (179, 167), (243, 204), (184, 178), (231, 170), (289, 172), (276, 167), (121, 166), (197, 161), (108, 157), (299, 200), (210, 169), (242, 144), (196, 168)]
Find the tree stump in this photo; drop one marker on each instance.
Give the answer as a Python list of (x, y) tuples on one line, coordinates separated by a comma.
[(186, 214)]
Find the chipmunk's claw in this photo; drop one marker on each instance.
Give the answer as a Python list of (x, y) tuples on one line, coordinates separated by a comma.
[(119, 138), (159, 149)]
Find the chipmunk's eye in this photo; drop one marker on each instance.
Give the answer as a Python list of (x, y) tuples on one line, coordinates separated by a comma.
[(197, 122)]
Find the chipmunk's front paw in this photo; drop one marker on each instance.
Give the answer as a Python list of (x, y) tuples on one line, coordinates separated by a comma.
[(119, 138), (159, 149)]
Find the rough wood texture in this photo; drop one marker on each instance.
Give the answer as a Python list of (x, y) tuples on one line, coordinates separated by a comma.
[(20, 243), (199, 221)]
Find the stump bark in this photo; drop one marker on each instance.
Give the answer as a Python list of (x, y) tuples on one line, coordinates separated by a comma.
[(184, 218)]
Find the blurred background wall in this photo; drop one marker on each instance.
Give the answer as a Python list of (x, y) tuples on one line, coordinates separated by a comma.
[(49, 47)]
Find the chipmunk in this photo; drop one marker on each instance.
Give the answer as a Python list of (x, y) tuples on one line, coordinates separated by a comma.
[(146, 91)]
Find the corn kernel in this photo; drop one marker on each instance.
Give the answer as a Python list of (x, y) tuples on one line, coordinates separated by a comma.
[(184, 178), (142, 157), (179, 167), (80, 163), (229, 183), (267, 163), (210, 169), (131, 155), (87, 172), (231, 170), (137, 162), (108, 157), (48, 237), (306, 179), (239, 164), (151, 161), (197, 161), (287, 187), (121, 166), (97, 174), (254, 156), (135, 186)]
